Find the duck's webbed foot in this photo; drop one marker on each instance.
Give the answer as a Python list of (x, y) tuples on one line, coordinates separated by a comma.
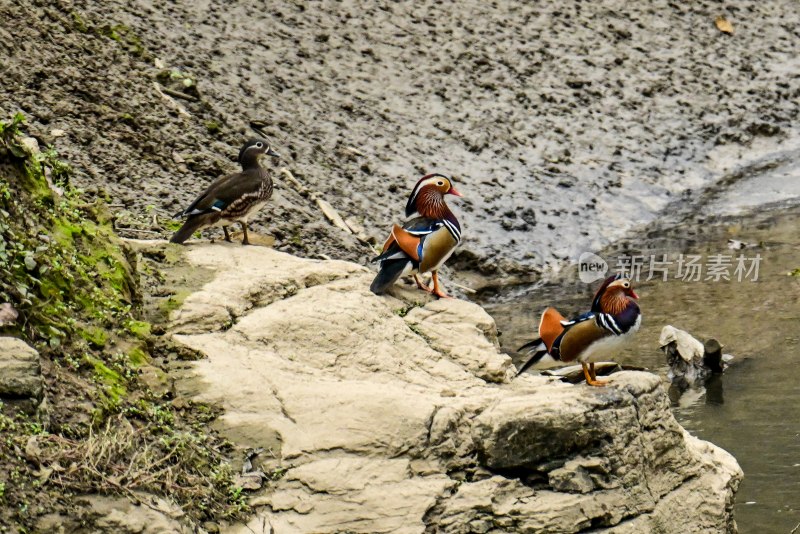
[(437, 287), (421, 284), (591, 377)]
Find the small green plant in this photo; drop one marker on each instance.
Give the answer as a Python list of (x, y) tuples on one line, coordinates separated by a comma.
[(79, 22), (61, 171), (9, 130), (277, 473), (402, 312), (126, 37)]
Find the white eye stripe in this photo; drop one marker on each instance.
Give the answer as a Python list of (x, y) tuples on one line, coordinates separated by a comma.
[(432, 181)]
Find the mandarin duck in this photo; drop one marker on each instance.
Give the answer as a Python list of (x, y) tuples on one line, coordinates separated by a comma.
[(425, 241), (592, 336), (231, 198)]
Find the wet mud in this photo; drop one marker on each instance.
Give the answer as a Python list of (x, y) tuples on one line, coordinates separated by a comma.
[(565, 125)]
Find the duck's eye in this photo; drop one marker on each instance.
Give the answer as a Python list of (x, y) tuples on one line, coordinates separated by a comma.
[(626, 285), (440, 183), (259, 145)]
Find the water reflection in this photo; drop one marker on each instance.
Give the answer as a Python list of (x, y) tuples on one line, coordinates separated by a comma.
[(682, 395), (750, 409)]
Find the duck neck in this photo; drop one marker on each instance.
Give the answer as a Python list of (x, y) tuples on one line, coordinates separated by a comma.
[(431, 204), (614, 302), (250, 161)]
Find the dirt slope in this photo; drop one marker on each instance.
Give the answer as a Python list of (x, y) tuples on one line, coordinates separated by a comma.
[(565, 125)]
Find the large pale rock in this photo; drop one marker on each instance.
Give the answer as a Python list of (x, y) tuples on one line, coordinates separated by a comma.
[(243, 284), (344, 494), (118, 515), (398, 414), (466, 334), (20, 370)]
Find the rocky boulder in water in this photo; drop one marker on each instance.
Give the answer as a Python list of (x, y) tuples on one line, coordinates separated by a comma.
[(397, 414)]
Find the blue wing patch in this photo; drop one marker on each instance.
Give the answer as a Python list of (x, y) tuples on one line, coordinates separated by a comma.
[(218, 205), (579, 319), (422, 227)]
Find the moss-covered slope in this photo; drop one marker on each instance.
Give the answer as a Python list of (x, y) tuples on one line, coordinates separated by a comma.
[(108, 424)]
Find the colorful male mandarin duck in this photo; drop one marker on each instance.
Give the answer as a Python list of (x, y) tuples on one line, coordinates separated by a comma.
[(592, 336), (231, 198), (424, 242)]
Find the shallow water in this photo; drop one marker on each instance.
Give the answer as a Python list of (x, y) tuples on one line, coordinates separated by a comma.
[(753, 411)]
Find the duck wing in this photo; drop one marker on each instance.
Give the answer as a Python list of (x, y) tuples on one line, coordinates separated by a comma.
[(407, 240), (223, 191)]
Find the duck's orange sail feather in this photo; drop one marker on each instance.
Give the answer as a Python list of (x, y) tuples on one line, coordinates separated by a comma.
[(409, 243), (550, 327)]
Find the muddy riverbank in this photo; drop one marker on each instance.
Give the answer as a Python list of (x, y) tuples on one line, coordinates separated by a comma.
[(566, 125)]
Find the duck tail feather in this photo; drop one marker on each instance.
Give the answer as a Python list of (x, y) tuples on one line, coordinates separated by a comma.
[(536, 351), (191, 225), (390, 271)]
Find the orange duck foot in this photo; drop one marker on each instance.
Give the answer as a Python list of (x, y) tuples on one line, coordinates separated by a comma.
[(421, 284), (591, 378), (437, 288)]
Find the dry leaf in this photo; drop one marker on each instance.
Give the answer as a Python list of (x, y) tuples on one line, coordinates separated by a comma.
[(724, 25), (43, 474), (32, 450)]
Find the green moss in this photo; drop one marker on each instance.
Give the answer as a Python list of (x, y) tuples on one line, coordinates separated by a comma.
[(65, 231), (417, 330), (113, 384), (125, 36), (402, 312), (173, 302), (140, 329), (95, 336), (79, 22), (68, 275), (138, 357), (172, 225), (32, 183), (212, 127), (60, 262)]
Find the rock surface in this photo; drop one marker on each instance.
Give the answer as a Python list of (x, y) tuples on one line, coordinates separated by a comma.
[(20, 371), (120, 516), (398, 414)]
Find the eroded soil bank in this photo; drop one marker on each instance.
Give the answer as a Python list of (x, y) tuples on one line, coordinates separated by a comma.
[(565, 124)]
